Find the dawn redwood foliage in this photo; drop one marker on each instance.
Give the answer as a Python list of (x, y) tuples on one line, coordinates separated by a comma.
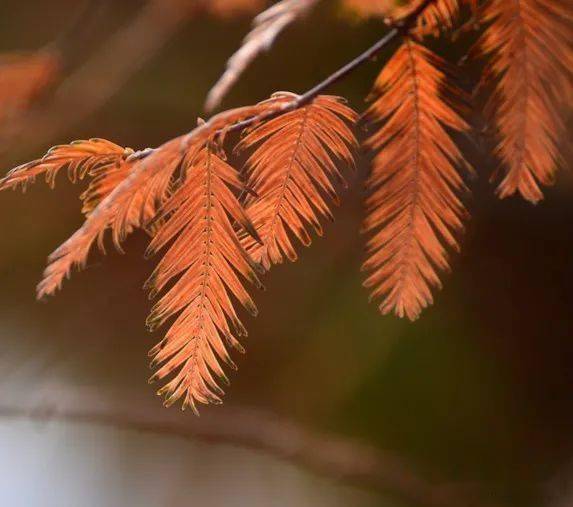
[(414, 209), (219, 227), (291, 174)]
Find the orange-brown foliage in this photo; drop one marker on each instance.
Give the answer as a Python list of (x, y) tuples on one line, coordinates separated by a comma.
[(132, 203), (292, 172), (206, 258), (413, 208), (529, 42), (79, 158), (105, 179), (217, 231), (127, 191)]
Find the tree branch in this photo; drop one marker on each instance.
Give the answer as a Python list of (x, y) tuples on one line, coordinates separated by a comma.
[(395, 33), (89, 88), (401, 29), (344, 459)]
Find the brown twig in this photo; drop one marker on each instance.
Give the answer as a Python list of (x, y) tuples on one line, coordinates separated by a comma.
[(127, 51), (395, 33), (343, 459)]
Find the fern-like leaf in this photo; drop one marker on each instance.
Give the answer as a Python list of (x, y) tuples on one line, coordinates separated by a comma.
[(134, 202), (292, 172), (413, 208), (78, 157), (206, 259), (529, 42)]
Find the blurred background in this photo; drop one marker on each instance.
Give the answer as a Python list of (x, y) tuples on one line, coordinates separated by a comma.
[(333, 405)]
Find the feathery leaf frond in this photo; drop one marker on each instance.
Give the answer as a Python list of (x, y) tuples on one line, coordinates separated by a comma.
[(79, 157), (206, 259), (532, 57), (135, 201), (413, 208), (291, 173), (104, 180)]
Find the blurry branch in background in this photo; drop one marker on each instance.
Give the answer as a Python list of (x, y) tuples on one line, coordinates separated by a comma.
[(26, 78), (122, 55), (222, 125), (99, 78), (267, 26), (29, 78), (336, 457), (76, 36)]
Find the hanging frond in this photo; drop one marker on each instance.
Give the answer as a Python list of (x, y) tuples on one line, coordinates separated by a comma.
[(132, 204), (291, 173), (206, 259), (413, 208), (78, 157), (266, 28), (529, 43)]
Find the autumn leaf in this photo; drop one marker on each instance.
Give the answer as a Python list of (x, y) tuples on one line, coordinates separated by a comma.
[(79, 158), (414, 209), (529, 46), (206, 259), (292, 174)]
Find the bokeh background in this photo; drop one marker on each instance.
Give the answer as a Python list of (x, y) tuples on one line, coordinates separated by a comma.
[(478, 392)]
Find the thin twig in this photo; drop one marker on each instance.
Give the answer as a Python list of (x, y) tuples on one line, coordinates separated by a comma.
[(396, 32), (341, 458), (102, 86)]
